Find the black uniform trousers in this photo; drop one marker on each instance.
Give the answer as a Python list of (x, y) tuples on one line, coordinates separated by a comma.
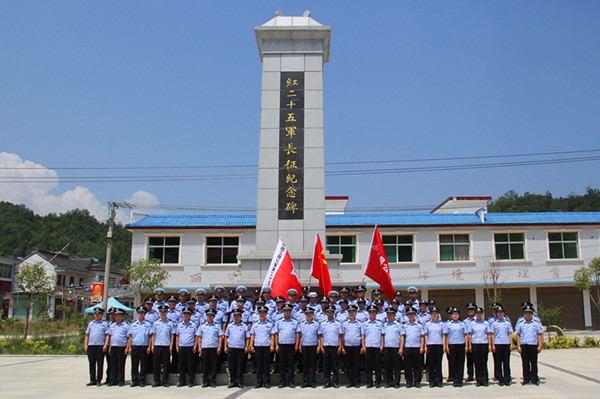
[(391, 363), (96, 360), (435, 354), (117, 364), (187, 364), (286, 363), (235, 362), (373, 364), (496, 371), (174, 364), (457, 363), (161, 358), (470, 365), (210, 362), (413, 366), (331, 364), (309, 368), (529, 358), (480, 359), (107, 356), (139, 363), (353, 364), (502, 363), (262, 357)]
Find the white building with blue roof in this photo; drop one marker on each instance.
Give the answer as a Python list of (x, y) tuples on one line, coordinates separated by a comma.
[(450, 254)]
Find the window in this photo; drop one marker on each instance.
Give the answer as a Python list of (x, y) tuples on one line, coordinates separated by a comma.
[(509, 246), (165, 249), (563, 245), (454, 247), (71, 281), (345, 245), (398, 248), (6, 271), (80, 282), (222, 250)]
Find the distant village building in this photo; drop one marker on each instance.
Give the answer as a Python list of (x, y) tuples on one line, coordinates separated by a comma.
[(449, 253), (74, 278)]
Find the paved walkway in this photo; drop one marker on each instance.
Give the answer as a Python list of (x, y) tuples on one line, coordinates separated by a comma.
[(566, 373)]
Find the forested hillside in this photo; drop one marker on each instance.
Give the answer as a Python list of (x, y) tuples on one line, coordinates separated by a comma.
[(513, 202), (22, 231)]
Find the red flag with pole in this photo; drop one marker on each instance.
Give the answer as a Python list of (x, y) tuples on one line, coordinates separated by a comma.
[(319, 268), (378, 268), (281, 275)]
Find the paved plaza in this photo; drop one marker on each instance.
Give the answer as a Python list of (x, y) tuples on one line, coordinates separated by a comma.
[(566, 373)]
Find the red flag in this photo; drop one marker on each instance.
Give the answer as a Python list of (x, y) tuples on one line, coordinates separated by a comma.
[(281, 275), (377, 265), (319, 268)]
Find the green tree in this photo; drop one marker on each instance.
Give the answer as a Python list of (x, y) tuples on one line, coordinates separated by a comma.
[(588, 279), (145, 276), (34, 281)]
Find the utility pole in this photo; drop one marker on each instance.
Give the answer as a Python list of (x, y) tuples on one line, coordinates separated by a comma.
[(112, 212)]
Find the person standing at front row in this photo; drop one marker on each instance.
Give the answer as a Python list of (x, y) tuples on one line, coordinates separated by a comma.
[(95, 345), (480, 345), (331, 347), (138, 345), (237, 338), (351, 331), (287, 339), (261, 345), (413, 346), (392, 342), (162, 333), (185, 344), (209, 347), (118, 342), (529, 344), (457, 345), (372, 346), (435, 330), (502, 345)]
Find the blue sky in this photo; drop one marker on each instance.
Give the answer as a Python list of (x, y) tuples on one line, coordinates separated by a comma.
[(122, 84)]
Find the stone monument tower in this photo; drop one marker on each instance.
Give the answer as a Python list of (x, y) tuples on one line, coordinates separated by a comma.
[(291, 166)]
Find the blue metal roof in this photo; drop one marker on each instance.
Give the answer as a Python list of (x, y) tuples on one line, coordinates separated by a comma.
[(400, 219)]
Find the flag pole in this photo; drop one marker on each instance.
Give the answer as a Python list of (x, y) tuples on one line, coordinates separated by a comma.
[(312, 262), (369, 257)]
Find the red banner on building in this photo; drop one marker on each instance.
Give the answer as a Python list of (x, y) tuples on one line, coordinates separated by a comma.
[(97, 289)]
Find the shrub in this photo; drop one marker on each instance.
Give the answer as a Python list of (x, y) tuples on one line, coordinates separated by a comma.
[(591, 342), (549, 316), (562, 343)]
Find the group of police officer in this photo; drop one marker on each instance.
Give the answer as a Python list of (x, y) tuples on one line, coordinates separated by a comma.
[(343, 331)]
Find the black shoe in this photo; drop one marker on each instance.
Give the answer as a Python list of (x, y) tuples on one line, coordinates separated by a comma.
[(258, 386), (507, 384), (313, 385), (377, 385), (205, 385), (155, 384), (328, 385), (267, 386), (89, 384), (501, 383), (536, 383), (486, 384), (409, 385), (133, 384), (142, 384), (191, 385), (120, 384), (370, 385), (180, 384), (526, 383), (165, 384), (349, 385), (335, 385), (470, 378), (282, 385), (418, 385), (291, 385), (98, 383), (232, 385), (213, 385)]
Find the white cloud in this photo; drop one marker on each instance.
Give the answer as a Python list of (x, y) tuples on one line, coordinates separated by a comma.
[(35, 195)]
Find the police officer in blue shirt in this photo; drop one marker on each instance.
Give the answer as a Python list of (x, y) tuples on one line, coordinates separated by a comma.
[(138, 346), (434, 337), (331, 347), (382, 305), (159, 298), (237, 339), (162, 333), (185, 344), (457, 345), (209, 342), (222, 303), (95, 345), (118, 343), (246, 315), (184, 295), (480, 346), (471, 307), (300, 314), (372, 346), (151, 313), (111, 321), (502, 345), (522, 318), (201, 304), (529, 344), (351, 330), (320, 313), (342, 314), (398, 298), (392, 337), (262, 345), (362, 314), (173, 314), (309, 342), (278, 314), (412, 296), (269, 302), (413, 346), (287, 341)]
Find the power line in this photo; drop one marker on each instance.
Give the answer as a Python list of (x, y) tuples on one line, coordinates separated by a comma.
[(533, 154), (354, 172)]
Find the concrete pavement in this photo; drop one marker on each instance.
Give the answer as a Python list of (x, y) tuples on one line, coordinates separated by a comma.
[(566, 373)]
